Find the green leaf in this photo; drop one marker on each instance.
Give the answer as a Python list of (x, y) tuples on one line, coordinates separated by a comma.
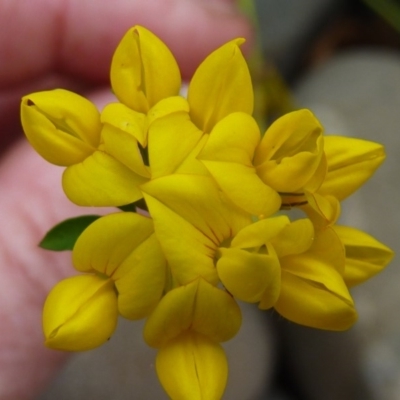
[(64, 235)]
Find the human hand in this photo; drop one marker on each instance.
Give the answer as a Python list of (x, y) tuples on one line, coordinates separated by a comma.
[(66, 44)]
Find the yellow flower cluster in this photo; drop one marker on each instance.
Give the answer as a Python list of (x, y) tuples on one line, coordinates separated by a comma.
[(210, 187)]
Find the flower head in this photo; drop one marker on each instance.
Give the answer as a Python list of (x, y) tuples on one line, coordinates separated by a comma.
[(201, 190)]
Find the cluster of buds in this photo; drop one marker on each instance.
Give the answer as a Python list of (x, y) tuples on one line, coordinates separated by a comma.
[(204, 218)]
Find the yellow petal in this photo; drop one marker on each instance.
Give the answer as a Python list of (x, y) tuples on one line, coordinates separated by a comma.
[(198, 306), (124, 147), (220, 86), (189, 252), (100, 180), (80, 313), (313, 292), (127, 120), (63, 127), (244, 188), (323, 210), (309, 303), (290, 151), (365, 256), (191, 164), (351, 162), (324, 257), (295, 238), (247, 276), (228, 156), (259, 233), (198, 200), (106, 243), (171, 140), (319, 176), (193, 367), (233, 139), (140, 280), (143, 70), (167, 106)]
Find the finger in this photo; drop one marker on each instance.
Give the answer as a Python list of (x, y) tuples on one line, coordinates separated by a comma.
[(32, 202), (79, 38)]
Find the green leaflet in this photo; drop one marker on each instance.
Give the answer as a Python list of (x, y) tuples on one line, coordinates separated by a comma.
[(64, 235)]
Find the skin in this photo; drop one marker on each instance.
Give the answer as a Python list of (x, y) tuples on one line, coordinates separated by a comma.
[(69, 44)]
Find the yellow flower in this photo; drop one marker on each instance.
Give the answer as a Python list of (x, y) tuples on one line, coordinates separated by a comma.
[(228, 156), (313, 291), (123, 247), (350, 163), (211, 184), (63, 127), (365, 256), (80, 313), (273, 262), (192, 366), (220, 86), (191, 220), (186, 327), (173, 122), (290, 151), (284, 160), (125, 275), (143, 70)]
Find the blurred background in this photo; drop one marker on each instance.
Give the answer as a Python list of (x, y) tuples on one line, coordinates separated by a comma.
[(341, 59)]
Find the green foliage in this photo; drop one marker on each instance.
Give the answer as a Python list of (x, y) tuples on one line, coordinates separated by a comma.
[(64, 235)]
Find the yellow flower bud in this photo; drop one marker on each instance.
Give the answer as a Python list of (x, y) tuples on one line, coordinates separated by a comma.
[(63, 127), (143, 70), (221, 85), (290, 151), (80, 313)]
